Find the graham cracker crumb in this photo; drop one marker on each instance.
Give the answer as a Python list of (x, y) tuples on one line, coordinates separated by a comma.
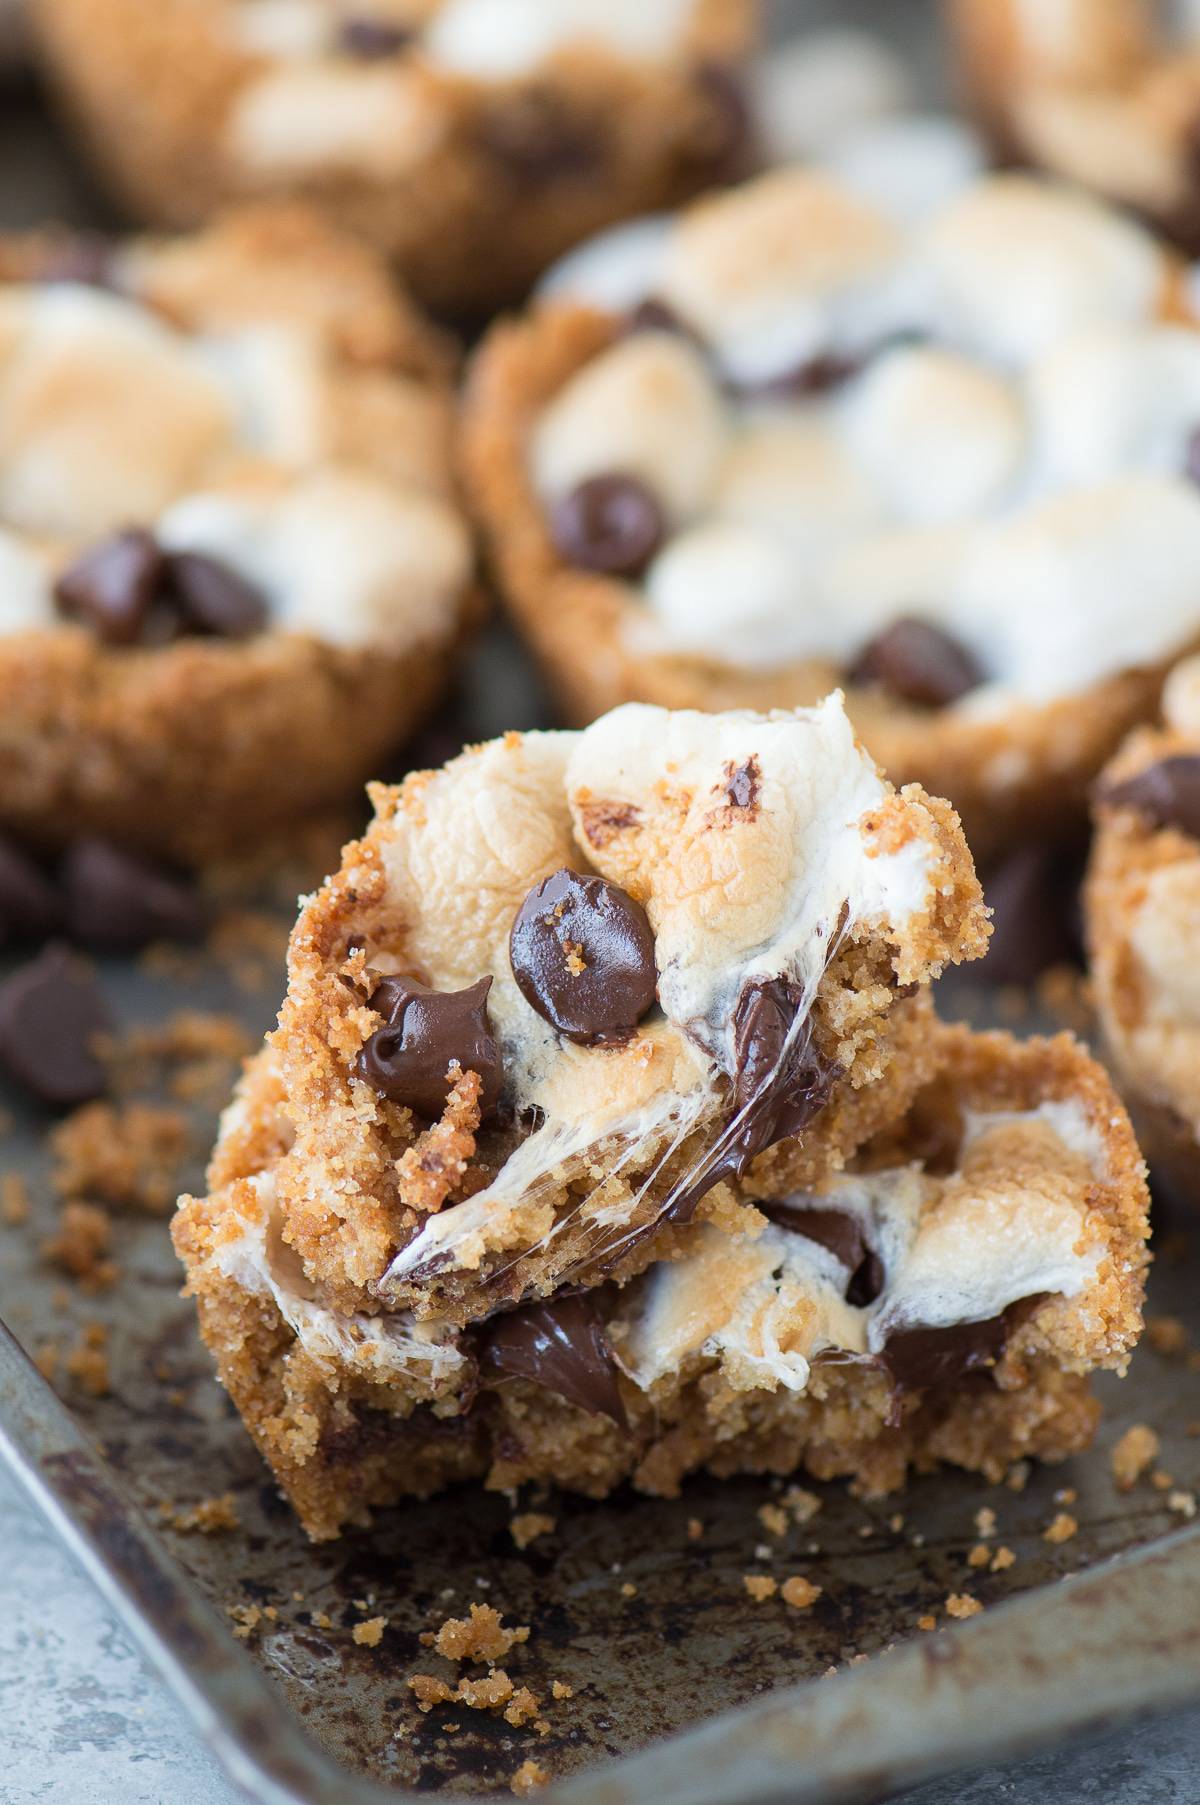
[(479, 1637), (628, 1590), (370, 1633), (127, 1155), (560, 1689), (923, 1623), (799, 1593), (1162, 1482), (1061, 1529), (321, 1620), (246, 1619), (528, 1777), (1134, 1453), (1003, 1559), (527, 1527), (695, 1529), (45, 1358), (88, 1361), (985, 1522), (1166, 1335), (1018, 1475), (522, 1709), (962, 1604), (429, 1690), (760, 1586), (803, 1504), (14, 1199), (81, 1245), (1182, 1503), (211, 1516), (980, 1555), (774, 1519)]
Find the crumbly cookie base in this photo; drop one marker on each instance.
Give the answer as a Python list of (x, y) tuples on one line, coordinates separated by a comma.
[(149, 89), (342, 1443), (1024, 774)]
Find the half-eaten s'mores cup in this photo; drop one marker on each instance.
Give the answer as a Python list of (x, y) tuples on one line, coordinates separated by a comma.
[(233, 570), (788, 439), (1105, 93), (575, 1001), (473, 141), (1142, 913)]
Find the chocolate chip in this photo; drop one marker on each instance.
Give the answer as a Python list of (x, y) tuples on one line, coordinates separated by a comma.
[(560, 1344), (1034, 897), (117, 901), (917, 662), (29, 904), (780, 1085), (427, 1031), (922, 1359), (214, 598), (743, 785), (111, 586), (533, 136), (1166, 794), (370, 39), (609, 523), (841, 1231), (51, 1013), (582, 953)]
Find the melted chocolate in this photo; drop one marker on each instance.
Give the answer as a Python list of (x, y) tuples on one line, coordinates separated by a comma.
[(916, 662), (427, 1031), (842, 1233), (1166, 794), (927, 1359), (560, 1344)]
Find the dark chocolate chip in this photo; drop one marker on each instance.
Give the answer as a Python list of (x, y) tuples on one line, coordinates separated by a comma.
[(743, 785), (51, 1013), (1033, 894), (1166, 794), (917, 662), (427, 1031), (922, 1359), (112, 585), (841, 1231), (779, 1086), (215, 599), (117, 901), (560, 1344), (582, 953), (371, 39), (653, 315), (534, 137), (610, 523), (30, 907)]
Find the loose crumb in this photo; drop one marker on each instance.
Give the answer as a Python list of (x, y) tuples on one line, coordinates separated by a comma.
[(774, 1519), (211, 1516), (799, 1593), (522, 1708), (81, 1245), (246, 1619), (1136, 1451), (127, 1155), (760, 1586), (560, 1689), (1183, 1503), (985, 1522), (1003, 1559), (14, 1199), (87, 1361), (528, 1777), (1018, 1475), (803, 1504), (979, 1556), (923, 1623), (429, 1690), (1066, 1494), (1061, 1529), (695, 1529), (1161, 1481), (1166, 1335), (962, 1604), (628, 1590), (479, 1637), (531, 1524), (370, 1633)]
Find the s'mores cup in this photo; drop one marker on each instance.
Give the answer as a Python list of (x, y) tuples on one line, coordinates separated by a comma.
[(1142, 914), (572, 997), (233, 570), (1105, 93), (790, 439), (473, 141)]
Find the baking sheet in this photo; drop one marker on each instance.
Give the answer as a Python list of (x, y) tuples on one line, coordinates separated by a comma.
[(653, 1630)]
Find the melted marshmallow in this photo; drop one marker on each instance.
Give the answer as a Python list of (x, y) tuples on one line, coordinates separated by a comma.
[(730, 900)]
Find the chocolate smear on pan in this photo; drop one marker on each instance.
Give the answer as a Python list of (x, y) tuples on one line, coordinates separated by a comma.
[(560, 1344)]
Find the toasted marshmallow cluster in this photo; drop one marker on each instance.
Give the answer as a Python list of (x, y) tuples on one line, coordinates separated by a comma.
[(979, 415), (330, 95), (230, 443), (734, 894)]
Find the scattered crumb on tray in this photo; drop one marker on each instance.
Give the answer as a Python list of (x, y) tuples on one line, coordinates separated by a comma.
[(1003, 1559), (760, 1586), (126, 1155), (695, 1529), (799, 1593), (14, 1199), (1182, 1503), (529, 1525), (980, 1555), (559, 1689), (1166, 1335), (803, 1504), (211, 1516), (1134, 1454), (1018, 1475), (369, 1634), (774, 1519), (528, 1778), (81, 1245), (479, 1637), (985, 1522), (87, 1361), (927, 1622), (962, 1604), (1061, 1529)]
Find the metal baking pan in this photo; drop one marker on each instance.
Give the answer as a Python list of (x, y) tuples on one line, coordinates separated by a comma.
[(684, 1688)]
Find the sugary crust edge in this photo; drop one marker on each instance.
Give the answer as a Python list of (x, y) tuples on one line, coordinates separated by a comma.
[(1009, 779), (148, 89)]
